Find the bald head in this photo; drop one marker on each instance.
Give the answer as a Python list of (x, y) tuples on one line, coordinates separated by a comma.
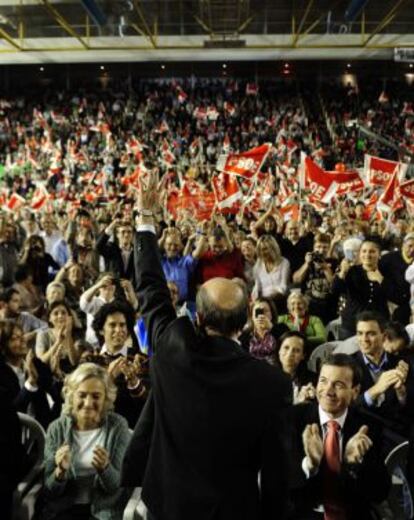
[(222, 306), (223, 293)]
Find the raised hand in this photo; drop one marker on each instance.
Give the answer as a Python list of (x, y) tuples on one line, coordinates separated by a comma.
[(313, 445), (147, 195), (357, 446)]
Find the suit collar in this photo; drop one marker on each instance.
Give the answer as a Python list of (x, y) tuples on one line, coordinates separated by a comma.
[(222, 348)]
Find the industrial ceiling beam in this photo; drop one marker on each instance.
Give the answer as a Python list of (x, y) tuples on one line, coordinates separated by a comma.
[(302, 23), (243, 26), (388, 18), (203, 25), (9, 39), (63, 22), (144, 24), (319, 20)]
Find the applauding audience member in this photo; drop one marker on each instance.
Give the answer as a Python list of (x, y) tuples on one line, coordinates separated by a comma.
[(337, 466), (84, 451), (291, 357), (298, 318)]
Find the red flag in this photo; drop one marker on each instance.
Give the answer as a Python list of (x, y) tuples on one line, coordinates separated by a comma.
[(212, 113), (252, 89), (200, 113), (15, 202), (389, 198), (378, 172), (195, 199), (195, 146), (324, 185), (40, 197), (226, 144), (229, 108), (181, 95), (246, 164), (407, 190), (226, 190), (166, 153)]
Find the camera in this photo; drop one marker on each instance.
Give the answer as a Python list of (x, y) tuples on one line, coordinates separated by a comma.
[(258, 312), (318, 258)]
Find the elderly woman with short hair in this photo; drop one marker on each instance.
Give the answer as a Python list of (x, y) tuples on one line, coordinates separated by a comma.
[(84, 451), (298, 318)]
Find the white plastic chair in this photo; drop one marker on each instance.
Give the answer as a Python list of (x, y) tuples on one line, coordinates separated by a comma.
[(400, 499), (33, 439), (135, 509), (320, 354)]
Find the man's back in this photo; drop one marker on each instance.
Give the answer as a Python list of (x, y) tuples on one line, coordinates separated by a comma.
[(218, 417)]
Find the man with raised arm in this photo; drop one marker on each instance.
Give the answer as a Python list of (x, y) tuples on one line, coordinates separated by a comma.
[(216, 420)]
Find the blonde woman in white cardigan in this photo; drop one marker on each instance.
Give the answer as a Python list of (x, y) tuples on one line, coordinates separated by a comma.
[(271, 271)]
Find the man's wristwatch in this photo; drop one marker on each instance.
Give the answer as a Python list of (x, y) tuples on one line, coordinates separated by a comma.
[(145, 213)]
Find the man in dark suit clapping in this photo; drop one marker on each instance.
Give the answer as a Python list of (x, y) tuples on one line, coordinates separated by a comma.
[(217, 416), (338, 470)]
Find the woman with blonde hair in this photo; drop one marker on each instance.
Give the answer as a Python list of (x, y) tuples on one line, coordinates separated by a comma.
[(84, 451), (271, 271)]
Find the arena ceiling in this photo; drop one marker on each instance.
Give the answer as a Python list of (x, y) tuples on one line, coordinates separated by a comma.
[(35, 31)]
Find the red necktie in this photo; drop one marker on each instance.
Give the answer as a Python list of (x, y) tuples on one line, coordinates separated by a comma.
[(332, 500)]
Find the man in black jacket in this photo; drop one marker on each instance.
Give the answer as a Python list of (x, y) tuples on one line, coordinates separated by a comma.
[(218, 415), (338, 471), (12, 457), (118, 253), (386, 385)]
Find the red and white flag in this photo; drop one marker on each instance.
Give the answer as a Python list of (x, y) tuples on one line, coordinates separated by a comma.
[(15, 202), (181, 95), (226, 144), (200, 113), (226, 190), (245, 164), (163, 128), (252, 89), (40, 197), (378, 171), (407, 190), (195, 199), (390, 199), (195, 146), (212, 113), (229, 108), (324, 185), (166, 153)]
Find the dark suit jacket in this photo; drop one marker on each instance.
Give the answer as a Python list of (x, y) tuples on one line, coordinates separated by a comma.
[(361, 485), (218, 417), (12, 457), (391, 413), (21, 397), (113, 258)]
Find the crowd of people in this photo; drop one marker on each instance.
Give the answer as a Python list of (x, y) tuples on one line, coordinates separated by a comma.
[(83, 316)]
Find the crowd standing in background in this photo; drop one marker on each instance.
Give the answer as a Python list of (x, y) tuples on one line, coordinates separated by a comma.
[(312, 271)]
